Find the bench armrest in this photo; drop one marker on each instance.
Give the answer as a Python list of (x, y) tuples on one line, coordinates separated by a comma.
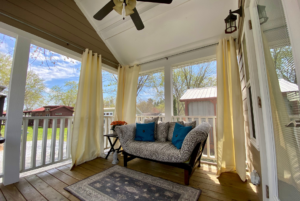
[(126, 133), (195, 136)]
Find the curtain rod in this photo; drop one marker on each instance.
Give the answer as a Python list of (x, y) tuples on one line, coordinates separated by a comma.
[(173, 55), (68, 43)]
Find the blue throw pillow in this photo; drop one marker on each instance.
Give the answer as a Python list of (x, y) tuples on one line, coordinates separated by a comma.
[(179, 133), (145, 132)]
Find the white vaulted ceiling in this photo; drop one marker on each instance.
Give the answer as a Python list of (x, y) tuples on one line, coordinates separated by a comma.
[(169, 29)]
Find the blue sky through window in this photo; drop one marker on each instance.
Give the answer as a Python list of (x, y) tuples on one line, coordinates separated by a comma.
[(54, 68)]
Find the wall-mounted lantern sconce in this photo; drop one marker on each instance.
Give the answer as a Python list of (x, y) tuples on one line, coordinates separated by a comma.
[(230, 21), (262, 14)]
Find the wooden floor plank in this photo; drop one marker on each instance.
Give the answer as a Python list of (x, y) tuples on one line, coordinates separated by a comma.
[(56, 184), (29, 192), (50, 184), (75, 174), (62, 176), (46, 190), (2, 198), (206, 198), (11, 192)]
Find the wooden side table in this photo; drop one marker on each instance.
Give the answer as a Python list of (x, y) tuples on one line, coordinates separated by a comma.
[(112, 149)]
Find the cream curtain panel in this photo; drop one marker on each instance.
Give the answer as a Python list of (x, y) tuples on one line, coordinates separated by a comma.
[(287, 148), (87, 135), (230, 119), (126, 96)]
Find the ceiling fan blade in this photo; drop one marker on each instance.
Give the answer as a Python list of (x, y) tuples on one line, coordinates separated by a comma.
[(137, 20), (157, 1), (105, 10)]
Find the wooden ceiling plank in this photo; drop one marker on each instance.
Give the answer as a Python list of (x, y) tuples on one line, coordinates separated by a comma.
[(69, 11), (30, 18), (65, 21), (72, 4), (31, 30), (79, 16)]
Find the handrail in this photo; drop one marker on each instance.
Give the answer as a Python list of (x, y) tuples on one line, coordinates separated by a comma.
[(49, 117)]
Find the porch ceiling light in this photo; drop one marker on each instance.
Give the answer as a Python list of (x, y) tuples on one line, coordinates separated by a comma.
[(230, 20), (262, 14)]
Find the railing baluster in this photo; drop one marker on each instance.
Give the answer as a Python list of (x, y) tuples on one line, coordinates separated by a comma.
[(215, 137), (69, 137), (53, 140), (44, 142), (61, 139), (23, 145), (34, 142), (208, 141)]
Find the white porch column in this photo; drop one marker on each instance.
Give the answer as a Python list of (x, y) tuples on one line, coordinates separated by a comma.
[(168, 91), (15, 102)]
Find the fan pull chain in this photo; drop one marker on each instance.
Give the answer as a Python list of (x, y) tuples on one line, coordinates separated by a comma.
[(123, 11)]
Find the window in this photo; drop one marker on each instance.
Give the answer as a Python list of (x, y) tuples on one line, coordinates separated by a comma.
[(150, 94), (110, 84), (249, 100), (190, 83), (47, 115)]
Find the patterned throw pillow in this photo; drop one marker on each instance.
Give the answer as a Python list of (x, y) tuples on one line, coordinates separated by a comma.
[(162, 131), (171, 129), (150, 121), (192, 124)]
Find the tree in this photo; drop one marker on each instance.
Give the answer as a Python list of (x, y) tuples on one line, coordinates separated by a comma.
[(189, 77), (64, 95), (284, 63), (35, 86), (34, 90), (5, 69), (109, 102), (174, 106)]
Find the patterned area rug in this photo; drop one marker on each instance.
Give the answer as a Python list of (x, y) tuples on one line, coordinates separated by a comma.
[(119, 183)]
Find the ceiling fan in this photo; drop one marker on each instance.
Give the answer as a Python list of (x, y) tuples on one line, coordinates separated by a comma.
[(125, 8)]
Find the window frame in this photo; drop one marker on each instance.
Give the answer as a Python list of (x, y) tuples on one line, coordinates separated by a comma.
[(250, 84)]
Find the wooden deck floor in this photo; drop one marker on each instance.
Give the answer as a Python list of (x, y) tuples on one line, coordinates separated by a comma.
[(48, 185)]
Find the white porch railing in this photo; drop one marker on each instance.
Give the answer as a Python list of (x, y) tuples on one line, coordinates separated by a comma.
[(42, 151), (210, 151), (50, 141)]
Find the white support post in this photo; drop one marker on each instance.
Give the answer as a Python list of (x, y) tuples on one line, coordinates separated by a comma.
[(168, 92), (11, 163)]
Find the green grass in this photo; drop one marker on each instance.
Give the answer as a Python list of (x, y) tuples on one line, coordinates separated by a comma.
[(40, 133)]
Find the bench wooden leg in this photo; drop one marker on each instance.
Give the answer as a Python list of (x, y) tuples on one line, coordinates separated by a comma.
[(186, 177), (125, 158)]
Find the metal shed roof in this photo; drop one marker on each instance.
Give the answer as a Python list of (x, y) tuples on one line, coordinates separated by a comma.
[(200, 93), (286, 86), (211, 92)]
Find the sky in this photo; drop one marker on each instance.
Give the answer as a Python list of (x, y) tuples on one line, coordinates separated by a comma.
[(53, 68)]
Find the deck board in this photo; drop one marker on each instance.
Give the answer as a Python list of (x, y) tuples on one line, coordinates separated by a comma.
[(49, 185)]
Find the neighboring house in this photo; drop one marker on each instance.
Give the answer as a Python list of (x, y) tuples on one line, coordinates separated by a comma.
[(51, 111), (203, 101), (110, 111)]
